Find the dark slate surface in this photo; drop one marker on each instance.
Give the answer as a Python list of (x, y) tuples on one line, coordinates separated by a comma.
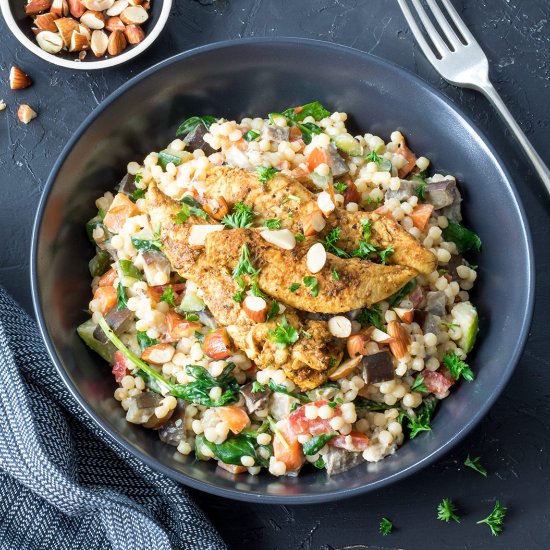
[(515, 436)]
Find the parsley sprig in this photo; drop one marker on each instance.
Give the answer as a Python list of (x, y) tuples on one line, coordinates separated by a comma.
[(285, 334), (475, 464), (168, 296), (313, 284), (386, 526), (265, 173), (241, 217), (495, 519), (446, 511), (272, 223), (457, 368), (330, 243), (418, 385)]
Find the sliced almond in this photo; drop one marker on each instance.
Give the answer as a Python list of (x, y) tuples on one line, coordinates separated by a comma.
[(79, 42), (60, 8), (45, 22), (316, 258), (25, 114), (97, 5), (198, 233), (50, 42), (314, 223), (93, 19), (282, 238), (346, 368), (66, 26), (117, 8), (381, 337), (76, 8), (134, 15), (19, 79), (99, 43), (216, 208), (402, 339), (256, 308), (339, 326), (158, 354), (37, 6), (117, 43), (114, 24), (406, 315), (325, 203)]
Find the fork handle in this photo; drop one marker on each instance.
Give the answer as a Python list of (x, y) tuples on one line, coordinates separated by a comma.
[(492, 95)]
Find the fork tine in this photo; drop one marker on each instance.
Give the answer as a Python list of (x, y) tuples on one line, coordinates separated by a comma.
[(457, 20), (448, 31), (433, 33), (424, 46)]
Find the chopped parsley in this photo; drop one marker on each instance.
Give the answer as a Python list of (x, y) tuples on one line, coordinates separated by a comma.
[(138, 177), (265, 173), (272, 223), (137, 194), (369, 201), (251, 135), (446, 511), (330, 243), (294, 287), (190, 207), (273, 311), (364, 251), (241, 217), (190, 316), (244, 266), (383, 163), (340, 187), (475, 464), (285, 334), (144, 341), (385, 254), (238, 296), (386, 526), (495, 519), (299, 237), (420, 421), (319, 463), (367, 229), (256, 291), (370, 316), (457, 368), (306, 334), (418, 385), (313, 284), (420, 191), (335, 275), (257, 387), (168, 296)]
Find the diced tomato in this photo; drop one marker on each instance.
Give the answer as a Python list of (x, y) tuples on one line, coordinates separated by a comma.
[(410, 157), (119, 367), (120, 210), (354, 442), (295, 134), (232, 468), (155, 292), (106, 296), (351, 194), (236, 419), (108, 279), (177, 327), (436, 382), (384, 211), (287, 449), (421, 214), (316, 157), (300, 425)]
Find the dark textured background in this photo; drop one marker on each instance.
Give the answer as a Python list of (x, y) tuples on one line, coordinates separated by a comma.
[(514, 438)]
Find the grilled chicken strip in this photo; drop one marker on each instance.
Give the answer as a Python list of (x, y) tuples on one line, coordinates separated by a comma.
[(361, 283), (289, 201)]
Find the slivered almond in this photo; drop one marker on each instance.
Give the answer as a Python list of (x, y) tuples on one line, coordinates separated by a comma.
[(406, 315), (60, 8), (346, 368), (117, 43), (98, 5), (134, 15), (19, 79), (282, 238), (256, 308), (198, 233), (217, 208), (314, 223), (76, 8), (66, 26), (325, 203), (158, 354), (381, 337), (50, 42), (37, 6), (339, 326), (117, 8), (79, 42), (25, 114), (316, 258), (99, 43), (402, 339), (93, 19), (114, 24), (45, 22)]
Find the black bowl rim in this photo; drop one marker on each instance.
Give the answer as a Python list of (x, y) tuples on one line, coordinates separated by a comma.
[(267, 498)]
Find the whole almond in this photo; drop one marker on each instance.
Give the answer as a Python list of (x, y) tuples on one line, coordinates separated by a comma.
[(256, 308), (99, 43), (45, 22), (314, 223), (134, 15), (217, 208), (114, 24), (50, 42), (60, 8), (117, 43), (25, 114), (93, 19), (97, 5), (19, 79), (117, 8), (158, 353), (217, 344), (79, 42), (66, 26), (37, 6), (402, 339), (83, 29), (76, 8)]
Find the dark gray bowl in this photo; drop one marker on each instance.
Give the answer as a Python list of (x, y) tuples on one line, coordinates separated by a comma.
[(254, 77)]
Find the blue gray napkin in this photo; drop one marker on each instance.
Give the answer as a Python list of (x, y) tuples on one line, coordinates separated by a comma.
[(63, 484)]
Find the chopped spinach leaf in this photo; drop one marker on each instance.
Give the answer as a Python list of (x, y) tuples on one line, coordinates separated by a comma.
[(463, 238), (316, 443)]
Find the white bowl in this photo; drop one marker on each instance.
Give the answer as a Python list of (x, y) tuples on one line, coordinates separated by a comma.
[(16, 26)]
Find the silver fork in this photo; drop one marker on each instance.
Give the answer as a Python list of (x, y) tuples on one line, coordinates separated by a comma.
[(460, 60)]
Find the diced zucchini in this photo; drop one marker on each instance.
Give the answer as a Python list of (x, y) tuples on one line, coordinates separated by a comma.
[(273, 117), (128, 269), (348, 144), (321, 182), (465, 315), (86, 332), (99, 264), (385, 165), (201, 449), (191, 302), (175, 157)]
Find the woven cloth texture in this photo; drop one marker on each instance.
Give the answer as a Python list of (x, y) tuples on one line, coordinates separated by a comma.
[(63, 483)]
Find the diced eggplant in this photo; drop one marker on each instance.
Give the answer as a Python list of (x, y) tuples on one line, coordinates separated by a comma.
[(276, 133), (338, 165), (339, 460), (281, 405), (453, 211), (127, 184), (416, 297), (316, 316), (441, 193), (406, 190), (455, 261), (431, 323), (118, 319), (378, 367), (142, 407), (207, 319), (195, 140), (86, 332), (254, 400), (154, 262), (173, 431), (435, 302)]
